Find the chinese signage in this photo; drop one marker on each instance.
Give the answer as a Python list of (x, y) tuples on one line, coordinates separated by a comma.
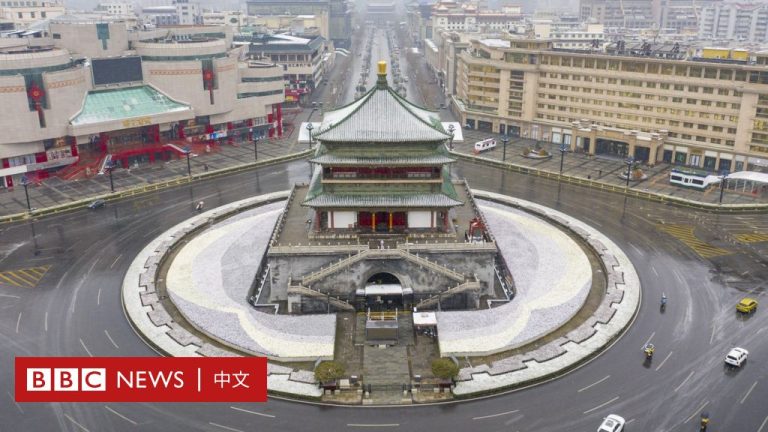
[(137, 122)]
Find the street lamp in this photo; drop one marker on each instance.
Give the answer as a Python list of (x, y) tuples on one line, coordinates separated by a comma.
[(563, 151), (187, 151), (110, 167), (309, 128), (723, 180), (451, 130), (504, 141), (630, 160), (255, 148), (25, 183)]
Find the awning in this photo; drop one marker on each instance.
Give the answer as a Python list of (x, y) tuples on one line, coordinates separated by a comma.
[(383, 289)]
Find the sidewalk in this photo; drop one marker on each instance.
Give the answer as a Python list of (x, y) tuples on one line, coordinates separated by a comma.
[(600, 168), (55, 191)]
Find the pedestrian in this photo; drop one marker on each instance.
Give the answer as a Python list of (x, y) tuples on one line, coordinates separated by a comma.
[(600, 173), (589, 177), (381, 244), (205, 167)]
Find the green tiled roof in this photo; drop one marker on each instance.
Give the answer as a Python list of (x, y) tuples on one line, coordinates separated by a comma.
[(118, 104), (382, 201), (339, 160)]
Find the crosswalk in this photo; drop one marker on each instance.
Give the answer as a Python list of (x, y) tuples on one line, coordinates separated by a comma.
[(685, 233), (751, 237), (24, 278)]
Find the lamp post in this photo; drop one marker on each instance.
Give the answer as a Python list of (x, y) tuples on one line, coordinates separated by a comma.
[(25, 183), (630, 160), (187, 151), (110, 167), (451, 130), (723, 180), (563, 151), (504, 141), (309, 128)]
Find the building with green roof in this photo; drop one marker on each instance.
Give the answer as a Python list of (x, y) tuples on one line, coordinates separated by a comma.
[(381, 166)]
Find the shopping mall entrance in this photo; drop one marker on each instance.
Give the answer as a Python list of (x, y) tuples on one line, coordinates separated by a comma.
[(607, 147)]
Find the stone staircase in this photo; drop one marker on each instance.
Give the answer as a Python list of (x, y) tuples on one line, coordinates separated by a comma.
[(303, 290), (467, 285), (381, 254)]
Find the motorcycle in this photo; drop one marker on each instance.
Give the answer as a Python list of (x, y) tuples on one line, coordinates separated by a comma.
[(199, 206), (649, 349), (663, 302), (704, 421)]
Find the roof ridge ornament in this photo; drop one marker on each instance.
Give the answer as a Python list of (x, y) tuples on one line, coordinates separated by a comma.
[(381, 83)]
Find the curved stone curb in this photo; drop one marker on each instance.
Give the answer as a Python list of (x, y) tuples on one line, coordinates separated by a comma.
[(650, 196), (140, 190), (150, 320), (614, 314)]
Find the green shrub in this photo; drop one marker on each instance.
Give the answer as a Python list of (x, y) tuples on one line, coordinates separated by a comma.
[(329, 371), (444, 368)]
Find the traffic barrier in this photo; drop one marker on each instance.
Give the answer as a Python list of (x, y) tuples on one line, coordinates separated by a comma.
[(646, 195), (140, 190)]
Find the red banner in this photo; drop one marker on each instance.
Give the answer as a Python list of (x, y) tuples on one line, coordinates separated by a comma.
[(141, 379)]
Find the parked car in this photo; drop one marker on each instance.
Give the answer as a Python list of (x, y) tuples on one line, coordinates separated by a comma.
[(736, 357), (99, 203), (612, 423), (746, 305)]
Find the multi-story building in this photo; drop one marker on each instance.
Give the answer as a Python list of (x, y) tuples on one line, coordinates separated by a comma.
[(24, 13), (463, 17), (181, 12), (304, 61), (107, 92), (735, 21), (334, 15), (586, 37), (709, 114), (115, 8), (680, 15), (235, 19)]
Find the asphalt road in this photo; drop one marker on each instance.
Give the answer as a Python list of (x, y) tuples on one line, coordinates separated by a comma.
[(74, 310)]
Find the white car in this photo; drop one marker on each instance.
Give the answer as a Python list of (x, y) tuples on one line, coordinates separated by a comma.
[(736, 357), (612, 423)]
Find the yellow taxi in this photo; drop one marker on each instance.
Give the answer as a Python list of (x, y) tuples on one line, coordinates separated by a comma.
[(747, 305)]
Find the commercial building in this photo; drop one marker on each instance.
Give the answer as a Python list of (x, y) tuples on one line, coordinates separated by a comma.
[(24, 13), (181, 12), (681, 15), (235, 19), (708, 113), (335, 16), (116, 8), (304, 60), (735, 21), (469, 17), (102, 92)]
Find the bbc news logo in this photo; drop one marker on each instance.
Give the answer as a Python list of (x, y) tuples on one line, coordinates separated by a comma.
[(141, 379)]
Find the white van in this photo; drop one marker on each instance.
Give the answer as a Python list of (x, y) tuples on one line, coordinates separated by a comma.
[(484, 145)]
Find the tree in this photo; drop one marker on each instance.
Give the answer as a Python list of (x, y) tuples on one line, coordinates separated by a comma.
[(329, 371), (444, 368)]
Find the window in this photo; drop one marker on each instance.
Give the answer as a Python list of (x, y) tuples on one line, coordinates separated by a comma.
[(21, 15), (650, 84), (674, 123), (736, 106), (710, 73), (43, 14), (693, 89), (679, 87), (690, 101), (664, 86), (706, 103), (721, 104), (731, 131), (702, 127), (717, 129), (688, 125), (708, 90), (677, 100)]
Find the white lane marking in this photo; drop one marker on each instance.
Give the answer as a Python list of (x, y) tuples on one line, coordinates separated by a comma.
[(649, 339), (82, 280), (630, 421), (654, 271), (678, 277), (593, 384), (641, 253), (684, 381), (45, 323), (695, 413), (18, 322), (664, 361), (120, 415), (115, 261), (762, 425), (110, 339), (85, 348), (252, 412), (14, 401), (748, 392), (601, 405), (76, 423), (224, 427), (98, 297), (373, 425), (495, 415), (712, 336), (10, 295)]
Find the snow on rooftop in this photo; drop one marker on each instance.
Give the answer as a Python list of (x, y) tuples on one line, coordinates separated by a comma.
[(495, 43)]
